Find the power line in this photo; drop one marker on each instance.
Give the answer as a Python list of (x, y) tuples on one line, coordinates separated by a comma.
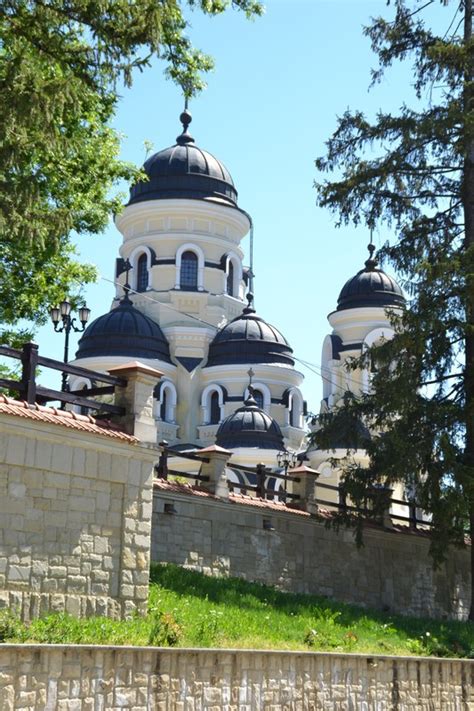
[(313, 367)]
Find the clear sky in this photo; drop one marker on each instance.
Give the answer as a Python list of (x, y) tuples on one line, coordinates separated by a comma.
[(272, 101)]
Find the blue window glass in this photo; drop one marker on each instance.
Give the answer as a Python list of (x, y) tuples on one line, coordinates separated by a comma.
[(230, 280), (188, 278), (142, 273), (215, 414)]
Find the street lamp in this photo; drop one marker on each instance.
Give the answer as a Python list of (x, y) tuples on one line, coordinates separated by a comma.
[(62, 313), (286, 460)]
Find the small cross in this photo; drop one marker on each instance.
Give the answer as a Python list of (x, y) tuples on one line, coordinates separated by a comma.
[(127, 266)]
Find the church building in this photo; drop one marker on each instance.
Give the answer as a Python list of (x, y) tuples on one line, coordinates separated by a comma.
[(184, 305)]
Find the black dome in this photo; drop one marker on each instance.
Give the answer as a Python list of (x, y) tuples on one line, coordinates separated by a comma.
[(370, 287), (249, 339), (249, 426), (185, 171), (124, 331)]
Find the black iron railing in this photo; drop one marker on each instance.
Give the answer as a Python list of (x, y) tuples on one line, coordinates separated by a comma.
[(32, 392), (162, 470), (377, 505)]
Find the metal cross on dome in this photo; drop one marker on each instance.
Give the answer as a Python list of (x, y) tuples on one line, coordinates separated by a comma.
[(250, 373), (126, 286)]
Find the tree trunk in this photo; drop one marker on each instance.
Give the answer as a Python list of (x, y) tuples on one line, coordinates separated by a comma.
[(468, 205)]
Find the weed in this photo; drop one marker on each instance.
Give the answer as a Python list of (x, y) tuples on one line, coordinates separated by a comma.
[(190, 609), (10, 625)]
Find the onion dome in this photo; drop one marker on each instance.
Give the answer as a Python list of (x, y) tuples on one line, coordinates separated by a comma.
[(370, 287), (249, 339), (185, 171), (249, 426), (124, 331)]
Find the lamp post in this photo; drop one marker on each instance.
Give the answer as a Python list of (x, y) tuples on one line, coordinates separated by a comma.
[(62, 314), (286, 460)]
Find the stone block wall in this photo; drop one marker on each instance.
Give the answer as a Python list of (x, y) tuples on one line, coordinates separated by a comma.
[(392, 571), (65, 678), (75, 511)]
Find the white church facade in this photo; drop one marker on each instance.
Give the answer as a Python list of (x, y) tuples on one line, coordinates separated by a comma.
[(183, 305)]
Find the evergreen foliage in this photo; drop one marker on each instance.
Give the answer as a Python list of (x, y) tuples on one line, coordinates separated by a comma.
[(414, 172), (60, 67)]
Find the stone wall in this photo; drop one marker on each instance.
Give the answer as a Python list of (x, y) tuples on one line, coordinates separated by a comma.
[(66, 678), (392, 571), (75, 511)]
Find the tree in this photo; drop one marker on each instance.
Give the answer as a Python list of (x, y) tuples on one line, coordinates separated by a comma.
[(414, 171), (60, 67)]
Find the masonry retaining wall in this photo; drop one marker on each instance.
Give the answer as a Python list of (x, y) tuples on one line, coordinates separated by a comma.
[(75, 511), (66, 678), (393, 570)]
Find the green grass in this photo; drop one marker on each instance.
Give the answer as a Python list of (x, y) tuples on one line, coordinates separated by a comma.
[(190, 609)]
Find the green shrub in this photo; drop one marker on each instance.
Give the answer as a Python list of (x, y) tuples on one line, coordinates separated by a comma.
[(11, 626)]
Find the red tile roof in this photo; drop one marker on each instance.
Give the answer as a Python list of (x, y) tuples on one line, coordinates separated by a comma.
[(191, 490), (65, 418)]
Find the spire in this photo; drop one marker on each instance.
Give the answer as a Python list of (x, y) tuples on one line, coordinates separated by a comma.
[(371, 263), (185, 119)]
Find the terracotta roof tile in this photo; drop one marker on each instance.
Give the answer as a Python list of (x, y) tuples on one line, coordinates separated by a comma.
[(323, 513), (182, 488), (65, 418)]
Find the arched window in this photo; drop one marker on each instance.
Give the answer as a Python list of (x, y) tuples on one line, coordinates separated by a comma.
[(188, 277), (215, 409), (295, 407), (230, 279), (258, 397), (375, 338), (142, 273), (166, 399), (212, 403)]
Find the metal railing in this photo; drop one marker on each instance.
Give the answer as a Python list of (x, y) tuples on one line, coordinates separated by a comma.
[(162, 471), (261, 472), (368, 510), (377, 505), (28, 388)]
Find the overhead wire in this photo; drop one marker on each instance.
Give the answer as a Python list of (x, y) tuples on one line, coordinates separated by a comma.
[(313, 367)]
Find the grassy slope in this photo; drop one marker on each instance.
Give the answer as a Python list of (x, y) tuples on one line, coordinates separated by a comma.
[(190, 609)]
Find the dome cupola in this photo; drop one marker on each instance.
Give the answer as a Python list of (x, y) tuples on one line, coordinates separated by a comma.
[(124, 331), (249, 426), (371, 287), (185, 171), (249, 339)]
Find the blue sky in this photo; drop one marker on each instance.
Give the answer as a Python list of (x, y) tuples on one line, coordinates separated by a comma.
[(272, 101)]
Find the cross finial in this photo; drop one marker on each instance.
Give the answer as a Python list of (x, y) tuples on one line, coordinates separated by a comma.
[(126, 286), (371, 263), (185, 119), (249, 308)]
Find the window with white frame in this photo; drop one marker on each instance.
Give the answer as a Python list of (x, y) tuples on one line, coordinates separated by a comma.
[(295, 408), (167, 398), (189, 268), (233, 274), (374, 338), (212, 403)]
